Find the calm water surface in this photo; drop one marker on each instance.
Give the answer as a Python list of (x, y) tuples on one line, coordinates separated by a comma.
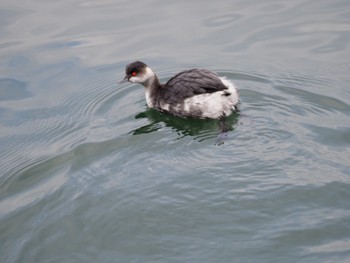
[(88, 174)]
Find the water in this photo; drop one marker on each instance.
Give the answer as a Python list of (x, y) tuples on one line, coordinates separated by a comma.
[(88, 174)]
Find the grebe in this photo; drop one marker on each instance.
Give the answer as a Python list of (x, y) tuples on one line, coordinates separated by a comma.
[(197, 93)]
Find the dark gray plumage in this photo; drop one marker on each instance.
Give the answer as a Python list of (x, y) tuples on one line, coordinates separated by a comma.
[(189, 83)]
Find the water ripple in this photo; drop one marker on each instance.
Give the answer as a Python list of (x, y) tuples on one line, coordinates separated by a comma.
[(12, 89), (222, 20)]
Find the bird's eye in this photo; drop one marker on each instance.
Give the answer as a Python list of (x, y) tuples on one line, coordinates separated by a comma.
[(133, 73)]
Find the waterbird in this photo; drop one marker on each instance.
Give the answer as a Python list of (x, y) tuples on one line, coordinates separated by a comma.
[(193, 93)]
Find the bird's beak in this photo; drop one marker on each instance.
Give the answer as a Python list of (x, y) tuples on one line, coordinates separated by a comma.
[(125, 79)]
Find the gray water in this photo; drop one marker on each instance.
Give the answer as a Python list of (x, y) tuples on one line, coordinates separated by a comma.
[(89, 174)]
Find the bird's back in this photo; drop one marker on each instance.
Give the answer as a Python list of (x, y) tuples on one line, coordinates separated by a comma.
[(189, 83)]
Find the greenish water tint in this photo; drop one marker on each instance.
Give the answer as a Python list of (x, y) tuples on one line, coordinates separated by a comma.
[(89, 174)]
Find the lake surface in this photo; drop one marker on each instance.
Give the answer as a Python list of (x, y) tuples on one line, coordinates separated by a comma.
[(89, 174)]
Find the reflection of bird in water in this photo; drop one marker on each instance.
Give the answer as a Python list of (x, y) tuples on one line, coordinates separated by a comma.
[(195, 93), (200, 129)]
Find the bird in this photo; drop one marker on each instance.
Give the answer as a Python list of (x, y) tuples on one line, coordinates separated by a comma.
[(193, 93)]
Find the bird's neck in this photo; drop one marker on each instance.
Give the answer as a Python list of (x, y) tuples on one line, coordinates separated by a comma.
[(152, 88), (152, 83)]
